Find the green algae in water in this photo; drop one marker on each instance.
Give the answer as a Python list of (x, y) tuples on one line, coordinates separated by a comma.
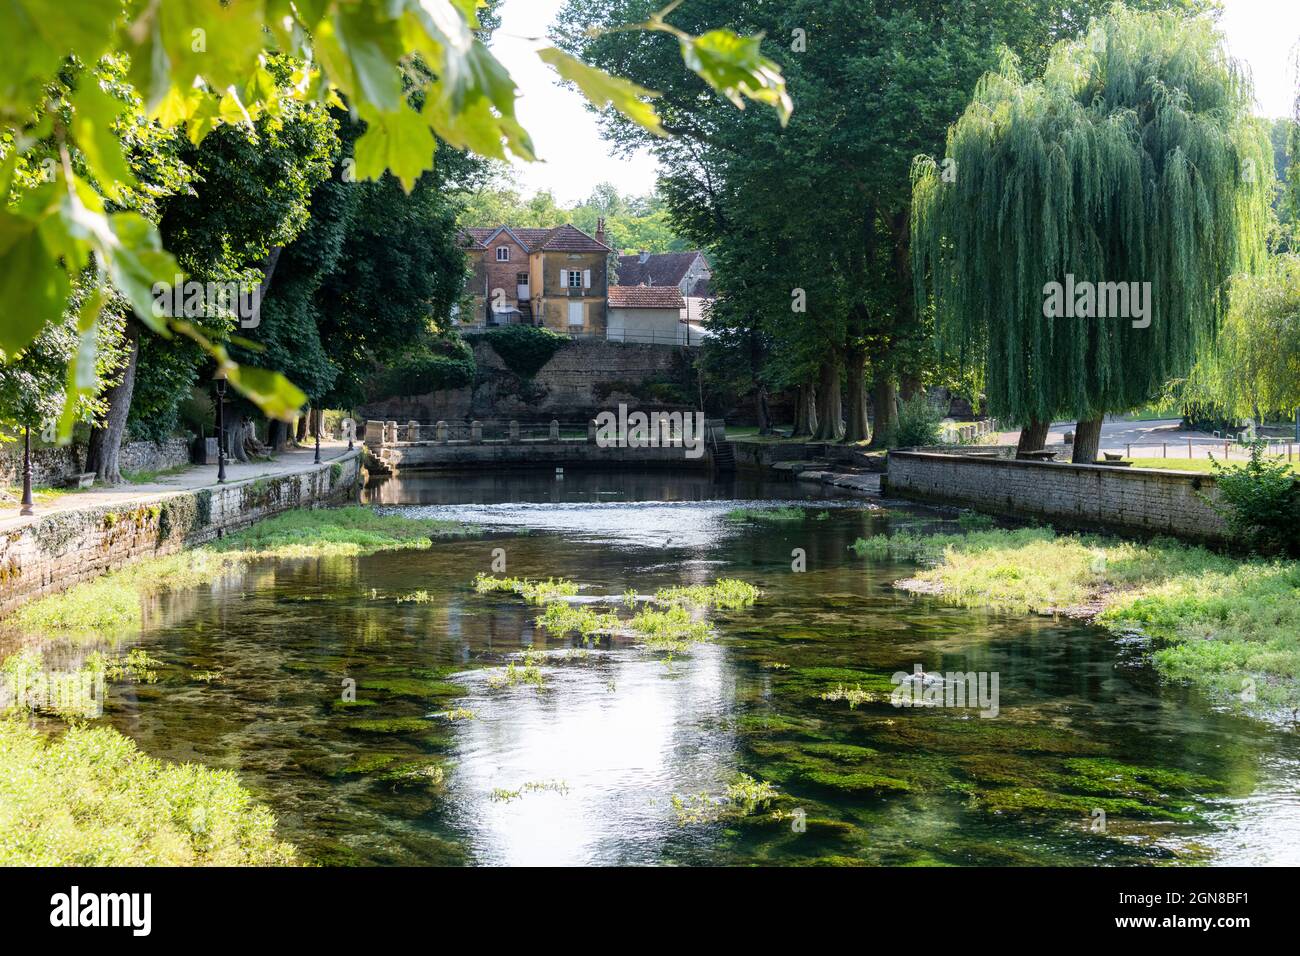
[(876, 785)]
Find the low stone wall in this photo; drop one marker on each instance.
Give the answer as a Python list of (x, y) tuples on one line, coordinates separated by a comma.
[(427, 456), (65, 548), (1084, 496), (52, 467)]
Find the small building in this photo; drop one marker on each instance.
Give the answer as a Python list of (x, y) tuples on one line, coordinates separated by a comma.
[(555, 278), (650, 315)]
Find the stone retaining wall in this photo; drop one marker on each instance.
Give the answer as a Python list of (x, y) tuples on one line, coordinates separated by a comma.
[(1084, 496), (65, 548)]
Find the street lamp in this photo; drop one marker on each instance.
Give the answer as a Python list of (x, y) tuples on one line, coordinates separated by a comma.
[(317, 418), (219, 380), (27, 506)]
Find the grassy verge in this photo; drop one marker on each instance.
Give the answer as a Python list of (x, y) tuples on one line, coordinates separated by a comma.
[(1232, 626), (114, 603), (1203, 465), (149, 477), (91, 798)]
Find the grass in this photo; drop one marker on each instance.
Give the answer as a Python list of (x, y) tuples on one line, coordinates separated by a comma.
[(1231, 626), (91, 798), (40, 496), (1203, 465), (114, 603), (145, 477), (560, 618)]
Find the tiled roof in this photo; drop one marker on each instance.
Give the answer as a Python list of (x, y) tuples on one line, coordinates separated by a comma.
[(703, 289), (564, 238), (664, 268), (645, 297)]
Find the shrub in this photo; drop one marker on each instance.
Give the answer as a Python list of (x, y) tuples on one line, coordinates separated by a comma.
[(525, 348), (422, 372), (1262, 500), (918, 423)]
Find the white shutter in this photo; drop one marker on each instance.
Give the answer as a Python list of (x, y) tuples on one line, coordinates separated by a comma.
[(586, 279), (564, 278)]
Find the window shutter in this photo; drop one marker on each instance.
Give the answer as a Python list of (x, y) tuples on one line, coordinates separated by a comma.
[(564, 278), (586, 279)]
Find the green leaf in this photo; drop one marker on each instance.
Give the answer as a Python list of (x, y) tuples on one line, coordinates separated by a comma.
[(734, 66), (136, 261), (272, 392), (33, 286), (37, 38), (400, 142), (606, 91), (93, 116), (82, 381), (220, 42)]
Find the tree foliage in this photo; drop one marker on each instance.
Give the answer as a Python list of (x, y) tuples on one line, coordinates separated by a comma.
[(201, 66), (1133, 159)]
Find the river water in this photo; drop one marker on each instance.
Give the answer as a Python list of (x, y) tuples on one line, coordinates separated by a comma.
[(624, 756)]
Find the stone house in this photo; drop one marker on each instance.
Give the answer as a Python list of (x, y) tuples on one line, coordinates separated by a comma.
[(557, 278)]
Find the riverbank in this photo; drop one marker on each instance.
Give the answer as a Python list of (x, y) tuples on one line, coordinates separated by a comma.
[(1230, 626), (88, 796), (79, 538)]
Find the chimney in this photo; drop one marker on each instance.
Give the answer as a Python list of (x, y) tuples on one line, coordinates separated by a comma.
[(645, 257), (600, 230)]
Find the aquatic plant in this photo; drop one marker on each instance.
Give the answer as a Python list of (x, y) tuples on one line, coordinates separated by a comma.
[(1230, 625), (560, 619), (91, 798), (724, 594), (766, 514), (501, 795), (513, 673), (855, 695), (743, 796), (534, 592), (673, 629)]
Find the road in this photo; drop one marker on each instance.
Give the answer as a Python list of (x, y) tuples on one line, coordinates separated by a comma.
[(1148, 439)]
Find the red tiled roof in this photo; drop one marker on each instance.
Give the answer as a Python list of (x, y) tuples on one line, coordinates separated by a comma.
[(564, 238), (645, 297), (664, 268)]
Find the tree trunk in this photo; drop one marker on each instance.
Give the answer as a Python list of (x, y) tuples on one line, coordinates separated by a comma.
[(103, 456), (300, 432), (1087, 441), (764, 411), (1033, 436), (858, 428), (884, 406), (236, 440), (830, 422), (278, 436), (909, 386), (805, 413)]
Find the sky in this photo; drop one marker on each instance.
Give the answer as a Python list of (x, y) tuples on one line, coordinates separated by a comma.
[(1261, 33)]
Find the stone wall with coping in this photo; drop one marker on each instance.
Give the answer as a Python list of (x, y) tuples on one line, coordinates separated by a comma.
[(1082, 496), (52, 553)]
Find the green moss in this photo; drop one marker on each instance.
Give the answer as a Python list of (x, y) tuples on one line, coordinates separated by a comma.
[(855, 782)]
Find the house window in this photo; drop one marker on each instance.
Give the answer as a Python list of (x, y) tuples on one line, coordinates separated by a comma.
[(521, 278), (503, 253), (575, 279)]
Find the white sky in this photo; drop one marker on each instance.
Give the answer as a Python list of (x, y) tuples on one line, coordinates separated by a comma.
[(1262, 33)]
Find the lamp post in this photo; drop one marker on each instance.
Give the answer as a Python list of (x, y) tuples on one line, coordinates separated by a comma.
[(27, 506), (220, 381), (316, 419)]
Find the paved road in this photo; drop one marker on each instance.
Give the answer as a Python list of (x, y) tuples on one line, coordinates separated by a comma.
[(196, 477), (1148, 439)]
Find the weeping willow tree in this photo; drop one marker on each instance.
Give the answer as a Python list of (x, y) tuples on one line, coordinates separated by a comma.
[(1254, 367), (1133, 160)]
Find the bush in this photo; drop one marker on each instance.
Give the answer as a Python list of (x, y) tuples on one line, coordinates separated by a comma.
[(918, 423), (525, 348), (422, 372), (1262, 500)]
